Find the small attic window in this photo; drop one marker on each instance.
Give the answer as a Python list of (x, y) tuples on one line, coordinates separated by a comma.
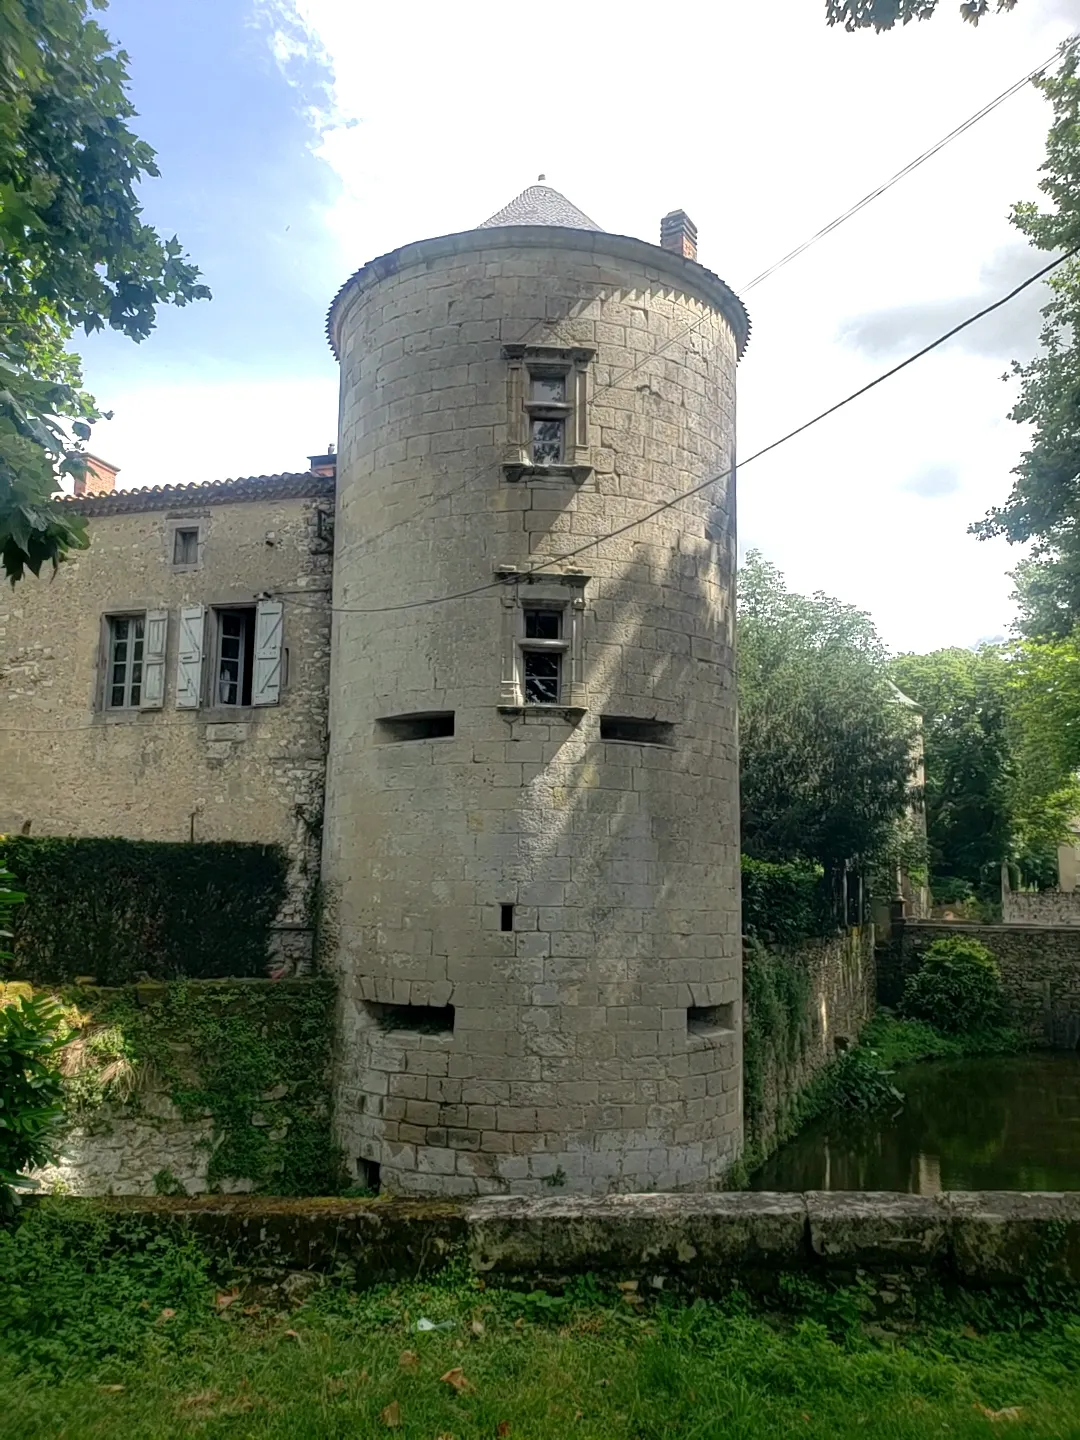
[(185, 547)]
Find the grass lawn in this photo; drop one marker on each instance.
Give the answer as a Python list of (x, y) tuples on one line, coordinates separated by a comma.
[(131, 1339)]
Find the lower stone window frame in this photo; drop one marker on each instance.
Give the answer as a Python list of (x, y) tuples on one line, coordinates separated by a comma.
[(542, 590)]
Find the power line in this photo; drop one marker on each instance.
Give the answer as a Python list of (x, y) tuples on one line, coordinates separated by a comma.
[(759, 279), (549, 561)]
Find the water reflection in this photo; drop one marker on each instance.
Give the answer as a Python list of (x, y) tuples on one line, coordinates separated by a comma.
[(1011, 1123)]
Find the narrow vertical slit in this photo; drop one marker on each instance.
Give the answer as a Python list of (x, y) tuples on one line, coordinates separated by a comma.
[(507, 917)]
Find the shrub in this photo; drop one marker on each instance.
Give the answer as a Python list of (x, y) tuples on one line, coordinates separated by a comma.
[(31, 1091), (957, 987), (783, 904), (121, 910)]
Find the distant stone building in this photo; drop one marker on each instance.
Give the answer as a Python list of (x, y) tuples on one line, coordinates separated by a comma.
[(530, 856)]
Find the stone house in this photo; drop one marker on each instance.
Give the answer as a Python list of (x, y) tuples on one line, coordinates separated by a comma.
[(155, 686)]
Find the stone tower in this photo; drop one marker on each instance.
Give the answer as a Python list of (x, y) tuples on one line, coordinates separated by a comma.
[(532, 823)]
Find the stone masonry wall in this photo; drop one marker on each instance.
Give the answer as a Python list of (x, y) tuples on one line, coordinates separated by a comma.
[(1040, 907), (136, 1145), (595, 1043), (1040, 973), (842, 982), (71, 767)]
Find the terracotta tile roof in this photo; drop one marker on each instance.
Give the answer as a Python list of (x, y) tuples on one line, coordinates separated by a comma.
[(210, 492)]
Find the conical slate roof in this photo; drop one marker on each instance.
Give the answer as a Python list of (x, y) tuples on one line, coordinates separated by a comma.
[(540, 205)]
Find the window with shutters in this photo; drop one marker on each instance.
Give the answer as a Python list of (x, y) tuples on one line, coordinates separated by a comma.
[(234, 657), (243, 660), (134, 660)]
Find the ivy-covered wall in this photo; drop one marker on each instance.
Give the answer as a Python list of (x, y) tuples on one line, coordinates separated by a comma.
[(117, 910), (802, 1004), (199, 1086)]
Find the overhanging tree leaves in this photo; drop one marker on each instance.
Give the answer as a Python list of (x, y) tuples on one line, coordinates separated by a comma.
[(1044, 504), (826, 750), (884, 14), (74, 254)]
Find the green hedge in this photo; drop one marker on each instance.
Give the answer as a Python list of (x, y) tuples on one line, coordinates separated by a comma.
[(120, 910), (783, 904)]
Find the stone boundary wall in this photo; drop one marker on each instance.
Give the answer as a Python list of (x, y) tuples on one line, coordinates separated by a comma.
[(696, 1242), (842, 984), (1040, 972), (1040, 907)]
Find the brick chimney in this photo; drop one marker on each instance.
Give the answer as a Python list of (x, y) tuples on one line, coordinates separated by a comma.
[(323, 464), (99, 477), (679, 233)]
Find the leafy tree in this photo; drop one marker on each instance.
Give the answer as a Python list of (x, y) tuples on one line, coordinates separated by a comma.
[(74, 253), (884, 14), (826, 752), (1044, 504), (1000, 760), (962, 695)]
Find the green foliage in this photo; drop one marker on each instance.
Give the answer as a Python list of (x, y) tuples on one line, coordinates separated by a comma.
[(75, 254), (80, 1286), (31, 1091), (999, 762), (884, 14), (898, 1042), (1043, 503), (859, 1082), (119, 910), (956, 988), (783, 904), (255, 1058), (108, 1326), (962, 696), (826, 751)]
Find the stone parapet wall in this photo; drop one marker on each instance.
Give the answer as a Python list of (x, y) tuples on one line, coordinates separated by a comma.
[(1040, 907), (696, 1243), (841, 987), (1040, 973)]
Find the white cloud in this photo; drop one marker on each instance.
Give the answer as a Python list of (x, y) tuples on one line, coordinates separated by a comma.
[(763, 123)]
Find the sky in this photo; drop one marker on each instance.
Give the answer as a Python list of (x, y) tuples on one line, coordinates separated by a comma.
[(299, 138)]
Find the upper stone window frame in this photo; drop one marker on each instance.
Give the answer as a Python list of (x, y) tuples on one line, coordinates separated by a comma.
[(524, 362)]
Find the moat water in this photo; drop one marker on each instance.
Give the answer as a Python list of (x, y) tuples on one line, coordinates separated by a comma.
[(1011, 1123)]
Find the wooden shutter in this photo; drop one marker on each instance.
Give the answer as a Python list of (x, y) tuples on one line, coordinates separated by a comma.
[(266, 671), (155, 636), (189, 656)]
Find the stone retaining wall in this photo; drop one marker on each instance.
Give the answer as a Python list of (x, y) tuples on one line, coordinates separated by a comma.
[(841, 986), (148, 1141), (1040, 972), (695, 1242)]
